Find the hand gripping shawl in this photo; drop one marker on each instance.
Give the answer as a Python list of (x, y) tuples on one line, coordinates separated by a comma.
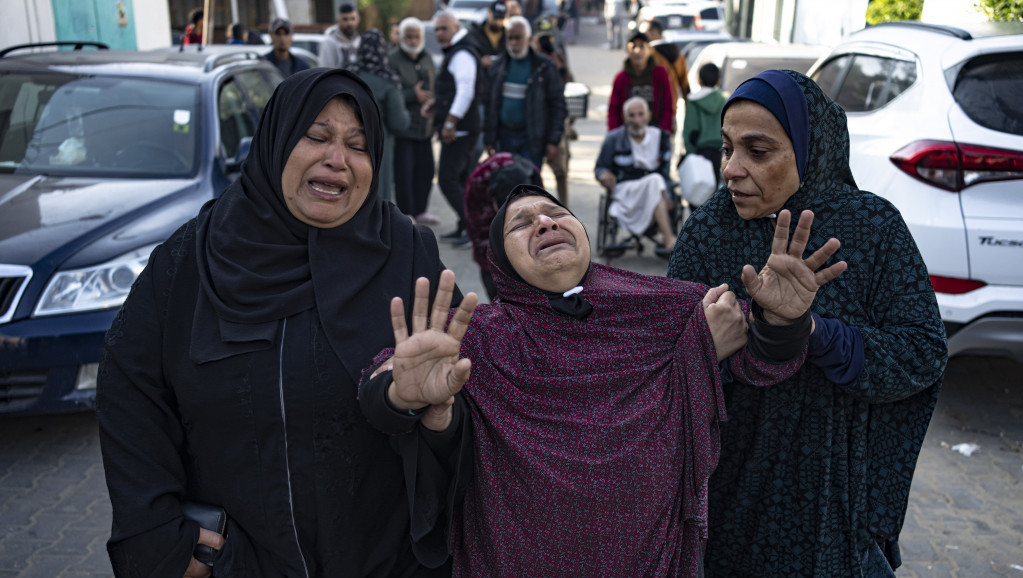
[(594, 438), (813, 473)]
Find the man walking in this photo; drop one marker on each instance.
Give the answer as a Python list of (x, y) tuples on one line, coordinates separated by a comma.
[(281, 56), (341, 41), (457, 115), (525, 110)]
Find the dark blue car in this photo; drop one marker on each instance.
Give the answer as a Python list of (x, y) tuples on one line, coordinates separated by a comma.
[(103, 154)]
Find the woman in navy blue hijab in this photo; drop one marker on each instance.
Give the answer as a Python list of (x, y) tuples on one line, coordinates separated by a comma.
[(815, 471)]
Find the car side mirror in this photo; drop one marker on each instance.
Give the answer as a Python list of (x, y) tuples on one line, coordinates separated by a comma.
[(235, 164)]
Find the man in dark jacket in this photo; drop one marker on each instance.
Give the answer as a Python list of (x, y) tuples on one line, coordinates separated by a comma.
[(489, 38), (525, 110), (281, 56), (412, 150)]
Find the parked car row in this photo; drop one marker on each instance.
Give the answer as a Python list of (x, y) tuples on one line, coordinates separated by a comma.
[(103, 154)]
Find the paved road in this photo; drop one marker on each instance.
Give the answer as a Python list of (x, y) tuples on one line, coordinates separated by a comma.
[(965, 517)]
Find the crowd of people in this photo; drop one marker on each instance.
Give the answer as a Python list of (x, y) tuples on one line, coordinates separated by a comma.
[(297, 362)]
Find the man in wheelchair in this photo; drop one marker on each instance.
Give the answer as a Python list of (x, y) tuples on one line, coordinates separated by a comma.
[(633, 166)]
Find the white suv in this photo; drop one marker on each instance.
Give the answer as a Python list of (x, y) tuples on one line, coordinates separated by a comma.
[(936, 124)]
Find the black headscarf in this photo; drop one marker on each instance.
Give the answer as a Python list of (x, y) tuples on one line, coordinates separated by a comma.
[(571, 302), (259, 264)]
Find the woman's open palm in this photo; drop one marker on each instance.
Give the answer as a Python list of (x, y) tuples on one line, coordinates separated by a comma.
[(426, 368), (787, 284)]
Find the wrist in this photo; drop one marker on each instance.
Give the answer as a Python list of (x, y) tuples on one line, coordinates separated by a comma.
[(448, 125), (397, 405)]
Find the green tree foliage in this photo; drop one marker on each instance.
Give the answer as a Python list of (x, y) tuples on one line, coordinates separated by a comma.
[(386, 11), (889, 10), (1002, 10)]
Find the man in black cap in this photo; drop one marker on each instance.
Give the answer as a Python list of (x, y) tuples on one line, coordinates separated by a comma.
[(281, 56), (490, 41), (489, 36)]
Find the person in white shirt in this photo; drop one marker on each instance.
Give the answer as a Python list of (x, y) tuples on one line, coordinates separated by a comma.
[(456, 115)]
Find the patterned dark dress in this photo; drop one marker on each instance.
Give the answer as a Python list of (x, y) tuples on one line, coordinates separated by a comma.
[(812, 474), (594, 439)]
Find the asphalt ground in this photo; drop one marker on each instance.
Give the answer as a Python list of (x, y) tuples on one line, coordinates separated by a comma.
[(965, 517)]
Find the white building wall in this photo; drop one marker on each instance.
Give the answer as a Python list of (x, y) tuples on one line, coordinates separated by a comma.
[(152, 24), (807, 21), (826, 23), (30, 21), (27, 21)]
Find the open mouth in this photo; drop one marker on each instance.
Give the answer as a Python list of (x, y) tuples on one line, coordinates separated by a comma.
[(326, 188), (551, 243)]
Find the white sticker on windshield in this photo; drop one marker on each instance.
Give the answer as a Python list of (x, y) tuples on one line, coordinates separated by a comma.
[(182, 116)]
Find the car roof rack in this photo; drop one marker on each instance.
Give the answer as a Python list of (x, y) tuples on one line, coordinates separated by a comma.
[(78, 45), (227, 58), (940, 28)]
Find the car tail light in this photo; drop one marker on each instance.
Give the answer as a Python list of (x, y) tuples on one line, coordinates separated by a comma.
[(954, 285), (954, 167)]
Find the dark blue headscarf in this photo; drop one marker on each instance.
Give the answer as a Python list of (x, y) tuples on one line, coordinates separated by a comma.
[(779, 93)]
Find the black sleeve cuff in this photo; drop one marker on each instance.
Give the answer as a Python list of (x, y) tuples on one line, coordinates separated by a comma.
[(378, 409), (777, 343)]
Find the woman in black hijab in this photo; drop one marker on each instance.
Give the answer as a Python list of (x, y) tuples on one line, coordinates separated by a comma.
[(230, 375)]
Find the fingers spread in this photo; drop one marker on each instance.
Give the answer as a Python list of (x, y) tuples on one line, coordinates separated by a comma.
[(802, 234), (781, 233), (442, 302), (821, 255), (398, 320), (459, 375), (750, 280), (460, 321), (421, 305), (825, 275)]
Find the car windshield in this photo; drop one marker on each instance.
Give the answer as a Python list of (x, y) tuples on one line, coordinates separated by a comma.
[(58, 124)]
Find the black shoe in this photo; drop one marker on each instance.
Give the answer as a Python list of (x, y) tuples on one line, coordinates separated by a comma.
[(462, 241), (662, 252)]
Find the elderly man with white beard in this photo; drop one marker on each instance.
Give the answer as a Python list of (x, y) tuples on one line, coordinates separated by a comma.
[(633, 166), (412, 149), (525, 110)]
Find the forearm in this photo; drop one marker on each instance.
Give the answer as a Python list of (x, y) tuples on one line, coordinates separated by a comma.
[(774, 352)]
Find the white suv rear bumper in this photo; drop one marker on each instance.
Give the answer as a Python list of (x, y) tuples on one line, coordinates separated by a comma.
[(986, 321)]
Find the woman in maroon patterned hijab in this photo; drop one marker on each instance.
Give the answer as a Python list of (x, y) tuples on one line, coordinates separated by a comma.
[(594, 395)]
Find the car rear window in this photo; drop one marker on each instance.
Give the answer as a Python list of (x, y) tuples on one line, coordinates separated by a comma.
[(989, 90), (874, 81)]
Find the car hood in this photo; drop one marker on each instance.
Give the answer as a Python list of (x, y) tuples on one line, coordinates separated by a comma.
[(39, 215)]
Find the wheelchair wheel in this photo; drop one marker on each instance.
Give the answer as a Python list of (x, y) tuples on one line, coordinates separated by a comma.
[(608, 246)]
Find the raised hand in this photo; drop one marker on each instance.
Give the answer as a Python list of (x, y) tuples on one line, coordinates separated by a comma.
[(786, 286), (426, 368)]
